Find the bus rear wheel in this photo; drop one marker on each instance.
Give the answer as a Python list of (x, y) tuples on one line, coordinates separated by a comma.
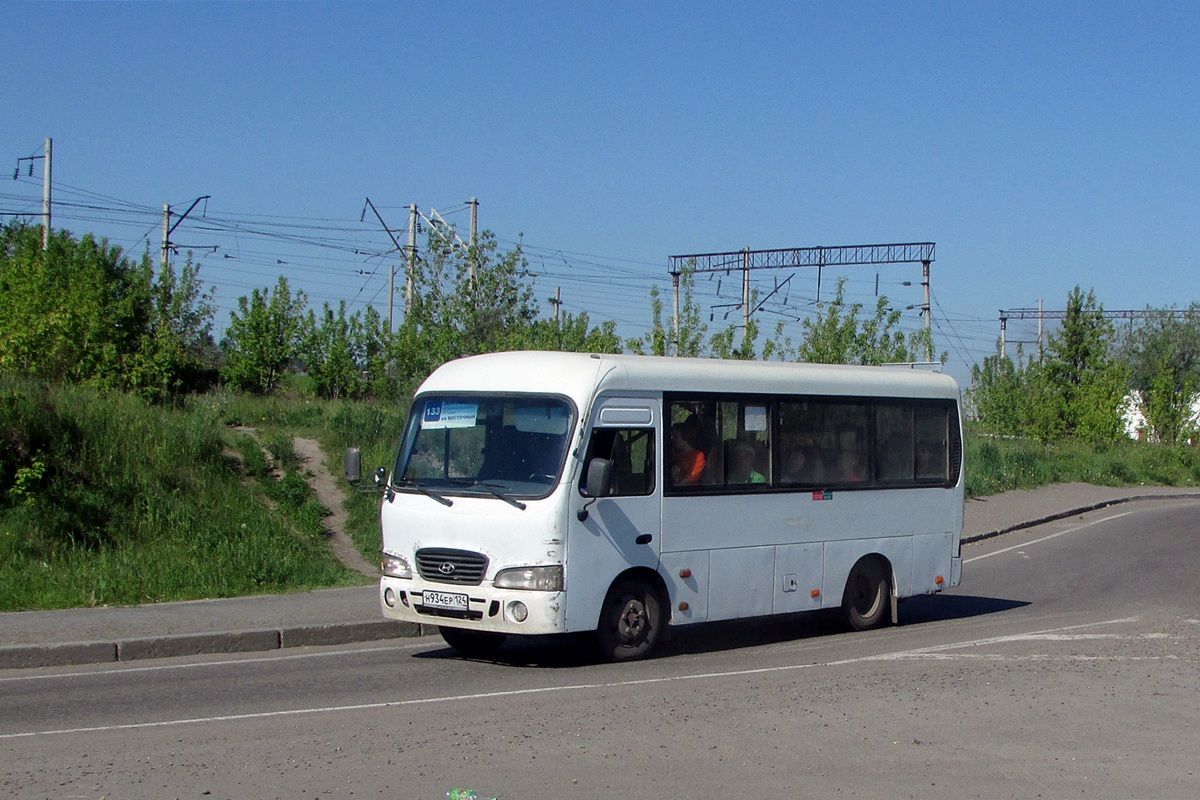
[(471, 643), (868, 594), (630, 622)]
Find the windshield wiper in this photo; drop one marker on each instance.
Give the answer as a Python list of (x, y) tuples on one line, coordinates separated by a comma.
[(446, 501), (493, 491)]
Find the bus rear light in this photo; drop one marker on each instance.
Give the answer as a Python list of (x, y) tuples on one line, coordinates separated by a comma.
[(815, 593), (939, 580), (685, 573)]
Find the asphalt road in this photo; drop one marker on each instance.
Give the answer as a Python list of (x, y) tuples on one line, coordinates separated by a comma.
[(1065, 666)]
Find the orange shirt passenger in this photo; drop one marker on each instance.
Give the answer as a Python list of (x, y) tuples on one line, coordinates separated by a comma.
[(687, 465)]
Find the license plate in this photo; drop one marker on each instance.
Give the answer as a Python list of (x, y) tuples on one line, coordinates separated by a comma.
[(445, 600)]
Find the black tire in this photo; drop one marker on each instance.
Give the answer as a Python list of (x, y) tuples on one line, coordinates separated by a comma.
[(631, 621), (472, 643), (868, 595)]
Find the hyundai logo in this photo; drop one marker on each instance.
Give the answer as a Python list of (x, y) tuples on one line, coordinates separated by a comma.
[(446, 568)]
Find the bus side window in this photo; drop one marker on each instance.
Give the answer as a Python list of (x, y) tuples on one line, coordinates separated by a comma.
[(894, 442), (632, 452), (932, 444)]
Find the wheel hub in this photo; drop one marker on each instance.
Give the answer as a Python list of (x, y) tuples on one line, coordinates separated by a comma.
[(633, 621)]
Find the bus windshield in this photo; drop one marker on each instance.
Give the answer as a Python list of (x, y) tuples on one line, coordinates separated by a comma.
[(484, 444)]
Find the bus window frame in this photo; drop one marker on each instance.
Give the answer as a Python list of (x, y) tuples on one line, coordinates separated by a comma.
[(953, 446)]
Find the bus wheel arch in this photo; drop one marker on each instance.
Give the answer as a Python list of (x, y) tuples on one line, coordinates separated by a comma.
[(633, 617), (867, 599)]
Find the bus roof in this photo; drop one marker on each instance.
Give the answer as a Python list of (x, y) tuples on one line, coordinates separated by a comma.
[(583, 375)]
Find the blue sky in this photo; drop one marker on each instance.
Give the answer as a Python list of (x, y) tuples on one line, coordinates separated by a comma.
[(1040, 145)]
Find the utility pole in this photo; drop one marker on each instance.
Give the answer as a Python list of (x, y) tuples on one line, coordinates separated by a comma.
[(474, 204), (746, 294), (47, 168), (412, 256), (168, 229), (166, 242), (675, 286), (556, 301), (1041, 319), (928, 314)]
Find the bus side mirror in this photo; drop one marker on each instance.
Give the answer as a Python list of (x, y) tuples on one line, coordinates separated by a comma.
[(352, 464), (598, 484), (599, 478)]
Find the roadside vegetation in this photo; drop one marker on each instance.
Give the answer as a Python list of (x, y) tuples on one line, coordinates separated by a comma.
[(997, 464), (108, 500), (142, 461)]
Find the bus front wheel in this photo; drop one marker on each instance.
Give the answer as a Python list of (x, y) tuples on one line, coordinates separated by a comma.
[(471, 643), (868, 594), (630, 622)]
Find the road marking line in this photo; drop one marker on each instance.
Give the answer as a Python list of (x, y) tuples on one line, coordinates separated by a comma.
[(546, 689), (1015, 637), (1047, 538)]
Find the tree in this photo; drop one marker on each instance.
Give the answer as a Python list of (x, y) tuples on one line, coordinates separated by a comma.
[(1163, 355), (264, 337), (838, 336), (999, 395), (178, 346), (1090, 384), (376, 348), (1167, 404), (75, 311), (333, 354), (465, 301), (572, 334), (81, 311), (661, 341), (727, 343), (1077, 390)]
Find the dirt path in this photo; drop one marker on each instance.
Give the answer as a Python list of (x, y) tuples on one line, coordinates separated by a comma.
[(331, 495)]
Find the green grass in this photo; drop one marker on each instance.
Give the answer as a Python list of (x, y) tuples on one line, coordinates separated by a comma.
[(105, 500), (996, 464), (374, 427)]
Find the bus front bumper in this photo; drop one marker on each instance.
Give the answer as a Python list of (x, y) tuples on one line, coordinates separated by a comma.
[(480, 608)]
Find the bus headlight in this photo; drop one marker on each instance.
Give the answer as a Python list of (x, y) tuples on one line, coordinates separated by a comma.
[(536, 579), (394, 566)]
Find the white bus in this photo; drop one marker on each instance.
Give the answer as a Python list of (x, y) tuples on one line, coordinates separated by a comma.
[(540, 493)]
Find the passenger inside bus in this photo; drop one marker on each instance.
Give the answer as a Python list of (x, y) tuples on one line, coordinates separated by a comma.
[(852, 461), (802, 464), (742, 455), (688, 462)]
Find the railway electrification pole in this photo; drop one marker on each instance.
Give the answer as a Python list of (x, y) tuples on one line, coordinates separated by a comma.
[(922, 253), (1041, 315)]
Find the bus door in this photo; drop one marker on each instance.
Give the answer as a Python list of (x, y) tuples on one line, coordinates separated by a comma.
[(621, 531)]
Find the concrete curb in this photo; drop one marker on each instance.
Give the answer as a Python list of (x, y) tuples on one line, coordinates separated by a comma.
[(979, 537), (196, 644)]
